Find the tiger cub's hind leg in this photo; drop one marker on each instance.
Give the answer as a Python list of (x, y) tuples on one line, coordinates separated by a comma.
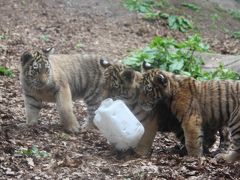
[(32, 107), (234, 128), (224, 138), (92, 106), (65, 109)]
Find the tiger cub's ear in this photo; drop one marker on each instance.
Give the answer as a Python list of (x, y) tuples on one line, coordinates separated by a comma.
[(160, 80), (26, 56), (48, 51), (128, 76), (146, 66), (104, 63)]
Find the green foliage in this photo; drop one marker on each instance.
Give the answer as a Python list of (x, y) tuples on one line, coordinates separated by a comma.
[(144, 6), (179, 23), (150, 11), (2, 36), (178, 57), (236, 34), (78, 45), (33, 152), (235, 14), (222, 73), (191, 6), (6, 72), (45, 37)]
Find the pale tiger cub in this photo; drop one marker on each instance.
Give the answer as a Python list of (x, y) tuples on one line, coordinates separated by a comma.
[(61, 78), (196, 104)]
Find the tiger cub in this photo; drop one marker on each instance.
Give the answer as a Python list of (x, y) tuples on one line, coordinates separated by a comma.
[(121, 82), (61, 79), (198, 105)]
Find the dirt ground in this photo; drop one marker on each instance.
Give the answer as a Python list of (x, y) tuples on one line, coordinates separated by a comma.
[(103, 27)]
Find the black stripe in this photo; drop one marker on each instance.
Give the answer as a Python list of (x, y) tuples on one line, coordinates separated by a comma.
[(95, 86), (235, 128), (219, 100), (232, 121), (236, 139), (205, 95), (233, 96), (235, 131), (227, 100), (238, 87), (87, 78), (190, 87), (212, 104)]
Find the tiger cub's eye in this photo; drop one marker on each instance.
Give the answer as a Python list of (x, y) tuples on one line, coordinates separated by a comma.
[(35, 65)]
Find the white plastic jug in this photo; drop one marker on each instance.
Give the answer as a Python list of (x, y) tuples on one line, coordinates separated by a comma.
[(118, 124)]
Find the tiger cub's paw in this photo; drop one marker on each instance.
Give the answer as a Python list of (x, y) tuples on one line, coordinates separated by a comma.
[(72, 128), (143, 152), (88, 126), (31, 123), (228, 157)]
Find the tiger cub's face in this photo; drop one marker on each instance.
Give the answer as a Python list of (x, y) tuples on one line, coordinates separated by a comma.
[(154, 86), (120, 82), (36, 68)]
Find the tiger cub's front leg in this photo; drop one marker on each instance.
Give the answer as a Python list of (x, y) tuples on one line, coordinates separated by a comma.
[(32, 107), (65, 109), (192, 127), (150, 129)]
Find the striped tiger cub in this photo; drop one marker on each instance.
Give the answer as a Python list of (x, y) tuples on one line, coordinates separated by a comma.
[(201, 107), (121, 82), (61, 79)]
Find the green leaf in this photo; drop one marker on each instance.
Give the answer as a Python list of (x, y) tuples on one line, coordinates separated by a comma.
[(6, 72), (172, 21), (164, 15), (177, 66), (191, 6)]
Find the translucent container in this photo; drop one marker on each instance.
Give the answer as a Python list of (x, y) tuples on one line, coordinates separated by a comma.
[(118, 124)]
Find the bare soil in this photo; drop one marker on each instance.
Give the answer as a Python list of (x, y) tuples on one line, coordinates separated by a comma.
[(104, 27)]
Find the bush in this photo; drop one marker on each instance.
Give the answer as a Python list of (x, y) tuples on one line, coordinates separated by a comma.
[(178, 57)]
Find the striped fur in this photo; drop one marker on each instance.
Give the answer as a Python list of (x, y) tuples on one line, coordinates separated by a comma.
[(61, 78), (200, 106)]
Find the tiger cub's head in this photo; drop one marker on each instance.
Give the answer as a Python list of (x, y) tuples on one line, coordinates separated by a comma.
[(36, 68), (120, 81), (154, 87)]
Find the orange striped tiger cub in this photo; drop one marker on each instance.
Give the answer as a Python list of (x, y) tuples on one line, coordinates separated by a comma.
[(198, 105), (61, 79), (121, 82)]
